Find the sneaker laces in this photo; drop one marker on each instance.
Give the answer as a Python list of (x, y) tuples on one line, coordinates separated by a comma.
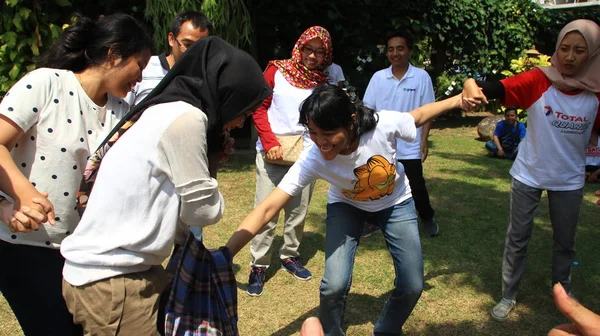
[(296, 262), (255, 274)]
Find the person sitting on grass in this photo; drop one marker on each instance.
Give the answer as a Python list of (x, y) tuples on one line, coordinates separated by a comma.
[(508, 135), (355, 151)]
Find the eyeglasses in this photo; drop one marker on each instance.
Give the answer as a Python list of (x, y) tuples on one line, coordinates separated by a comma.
[(306, 50), (185, 45)]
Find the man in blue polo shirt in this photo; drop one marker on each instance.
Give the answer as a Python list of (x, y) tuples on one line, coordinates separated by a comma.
[(403, 88), (507, 136)]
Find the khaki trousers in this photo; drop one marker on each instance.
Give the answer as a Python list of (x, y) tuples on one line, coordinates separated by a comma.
[(122, 305)]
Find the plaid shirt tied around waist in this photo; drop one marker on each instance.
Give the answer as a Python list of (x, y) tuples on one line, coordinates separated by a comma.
[(203, 294)]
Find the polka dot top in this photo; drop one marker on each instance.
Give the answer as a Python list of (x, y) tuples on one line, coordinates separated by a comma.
[(62, 126)]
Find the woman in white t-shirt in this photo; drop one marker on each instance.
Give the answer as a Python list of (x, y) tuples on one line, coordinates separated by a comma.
[(50, 122), (562, 102), (355, 151)]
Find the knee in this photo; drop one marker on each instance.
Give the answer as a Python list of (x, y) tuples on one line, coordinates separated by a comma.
[(411, 288), (333, 287)]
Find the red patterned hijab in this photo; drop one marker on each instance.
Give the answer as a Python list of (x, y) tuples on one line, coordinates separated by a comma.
[(297, 73)]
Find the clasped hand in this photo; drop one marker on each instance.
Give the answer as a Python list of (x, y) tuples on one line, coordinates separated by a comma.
[(28, 217)]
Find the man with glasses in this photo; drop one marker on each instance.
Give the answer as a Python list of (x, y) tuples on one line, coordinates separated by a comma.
[(187, 28)]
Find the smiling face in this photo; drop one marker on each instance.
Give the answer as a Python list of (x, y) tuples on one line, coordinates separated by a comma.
[(398, 52), (123, 74), (330, 143), (510, 116), (313, 54), (572, 53)]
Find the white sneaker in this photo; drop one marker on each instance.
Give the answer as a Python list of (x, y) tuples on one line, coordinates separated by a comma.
[(502, 309)]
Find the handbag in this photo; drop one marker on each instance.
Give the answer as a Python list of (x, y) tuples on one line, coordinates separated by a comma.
[(292, 146)]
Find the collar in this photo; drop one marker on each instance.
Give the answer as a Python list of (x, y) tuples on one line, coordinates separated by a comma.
[(163, 61), (410, 72)]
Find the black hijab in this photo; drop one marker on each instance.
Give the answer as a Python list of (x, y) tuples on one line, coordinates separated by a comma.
[(215, 77)]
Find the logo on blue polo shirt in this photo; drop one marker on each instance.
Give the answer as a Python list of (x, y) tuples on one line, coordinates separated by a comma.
[(409, 89)]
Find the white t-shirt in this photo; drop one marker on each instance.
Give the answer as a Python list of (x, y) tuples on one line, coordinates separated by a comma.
[(62, 127), (386, 92), (559, 125), (592, 155), (335, 74), (152, 74), (368, 178), (284, 111), (154, 176)]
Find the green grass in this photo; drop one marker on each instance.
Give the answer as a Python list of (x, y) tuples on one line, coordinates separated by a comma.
[(469, 192)]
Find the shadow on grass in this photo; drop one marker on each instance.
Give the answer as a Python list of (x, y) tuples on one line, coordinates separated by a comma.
[(311, 243), (473, 217)]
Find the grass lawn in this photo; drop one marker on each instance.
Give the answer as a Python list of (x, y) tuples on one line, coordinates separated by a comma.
[(469, 192)]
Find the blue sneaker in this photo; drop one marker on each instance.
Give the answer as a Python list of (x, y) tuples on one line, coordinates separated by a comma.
[(256, 281), (369, 229), (294, 266)]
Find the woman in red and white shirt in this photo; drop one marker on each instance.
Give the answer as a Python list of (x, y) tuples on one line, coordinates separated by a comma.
[(562, 103), (292, 81)]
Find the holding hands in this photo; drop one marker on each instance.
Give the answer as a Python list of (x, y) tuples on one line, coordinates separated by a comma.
[(472, 95), (27, 217)]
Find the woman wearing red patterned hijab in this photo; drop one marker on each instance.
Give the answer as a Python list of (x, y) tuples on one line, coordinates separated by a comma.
[(310, 57), (292, 81)]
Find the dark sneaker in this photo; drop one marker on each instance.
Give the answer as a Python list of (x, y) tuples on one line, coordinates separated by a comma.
[(256, 281), (369, 229), (294, 266), (431, 227)]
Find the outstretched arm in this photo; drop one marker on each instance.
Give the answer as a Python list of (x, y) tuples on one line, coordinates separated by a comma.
[(428, 112), (259, 217)]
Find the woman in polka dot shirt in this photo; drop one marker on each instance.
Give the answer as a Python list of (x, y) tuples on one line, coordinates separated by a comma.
[(50, 122)]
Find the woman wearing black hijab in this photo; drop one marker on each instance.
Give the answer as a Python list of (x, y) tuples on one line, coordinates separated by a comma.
[(155, 174)]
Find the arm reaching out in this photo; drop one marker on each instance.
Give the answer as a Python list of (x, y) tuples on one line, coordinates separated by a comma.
[(259, 217), (428, 112)]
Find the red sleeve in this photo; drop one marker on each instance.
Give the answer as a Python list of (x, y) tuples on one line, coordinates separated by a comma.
[(525, 88), (260, 117), (597, 122)]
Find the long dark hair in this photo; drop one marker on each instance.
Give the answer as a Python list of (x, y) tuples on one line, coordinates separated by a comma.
[(86, 43), (330, 108)]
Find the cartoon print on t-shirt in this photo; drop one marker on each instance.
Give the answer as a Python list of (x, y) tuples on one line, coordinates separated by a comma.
[(375, 180)]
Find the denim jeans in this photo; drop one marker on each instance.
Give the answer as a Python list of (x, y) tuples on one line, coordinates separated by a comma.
[(399, 226), (509, 153)]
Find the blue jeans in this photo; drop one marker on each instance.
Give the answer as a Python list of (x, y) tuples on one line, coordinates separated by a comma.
[(509, 153), (399, 226)]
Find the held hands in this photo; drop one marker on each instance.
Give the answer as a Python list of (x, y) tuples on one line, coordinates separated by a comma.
[(472, 95), (275, 153), (584, 322), (28, 217)]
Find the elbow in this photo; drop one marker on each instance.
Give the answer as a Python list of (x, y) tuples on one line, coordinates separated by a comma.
[(203, 213)]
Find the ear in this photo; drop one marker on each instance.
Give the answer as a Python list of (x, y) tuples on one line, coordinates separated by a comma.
[(171, 39), (114, 56)]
